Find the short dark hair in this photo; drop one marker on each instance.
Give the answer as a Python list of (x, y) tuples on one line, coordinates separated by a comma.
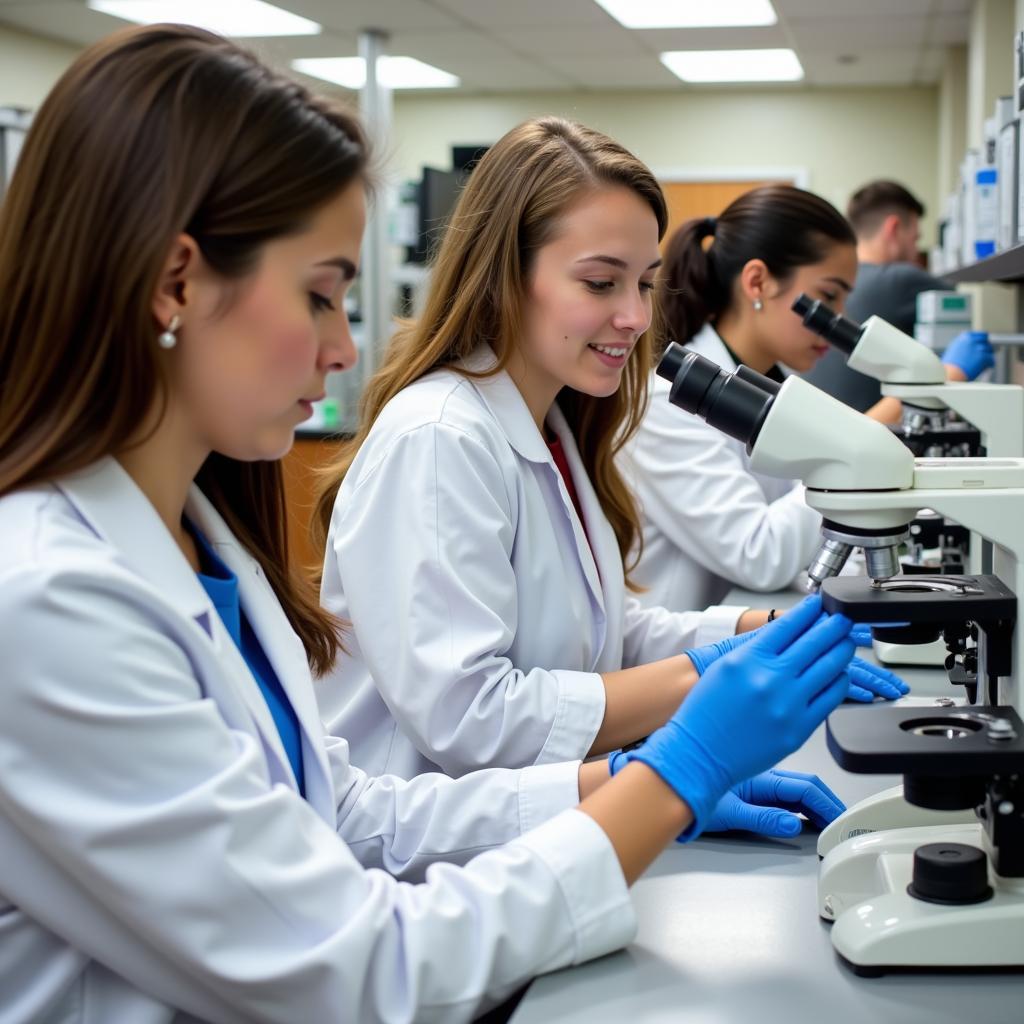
[(870, 205)]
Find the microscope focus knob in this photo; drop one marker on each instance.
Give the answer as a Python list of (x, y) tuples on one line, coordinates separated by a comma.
[(950, 873)]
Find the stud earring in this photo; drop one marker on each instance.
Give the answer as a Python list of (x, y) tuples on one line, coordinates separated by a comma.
[(168, 339), (758, 305)]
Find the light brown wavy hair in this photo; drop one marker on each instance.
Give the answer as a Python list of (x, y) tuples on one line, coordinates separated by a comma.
[(511, 206), (150, 133)]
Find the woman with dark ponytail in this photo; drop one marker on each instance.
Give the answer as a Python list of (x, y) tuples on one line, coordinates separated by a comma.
[(727, 285)]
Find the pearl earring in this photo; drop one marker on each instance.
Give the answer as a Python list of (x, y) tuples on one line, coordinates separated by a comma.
[(758, 305), (168, 339)]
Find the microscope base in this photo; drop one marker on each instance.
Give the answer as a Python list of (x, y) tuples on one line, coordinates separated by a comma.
[(885, 812), (880, 927)]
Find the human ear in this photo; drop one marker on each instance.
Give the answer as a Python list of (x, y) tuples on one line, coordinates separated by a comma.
[(179, 269)]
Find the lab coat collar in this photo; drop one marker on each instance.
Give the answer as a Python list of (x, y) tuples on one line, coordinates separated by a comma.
[(507, 405), (708, 343), (114, 507), (283, 649)]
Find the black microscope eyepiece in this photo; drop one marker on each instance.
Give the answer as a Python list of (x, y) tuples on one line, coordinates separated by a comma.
[(735, 403), (835, 328)]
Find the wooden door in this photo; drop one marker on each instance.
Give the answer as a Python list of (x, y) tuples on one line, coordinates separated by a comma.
[(689, 199), (300, 481)]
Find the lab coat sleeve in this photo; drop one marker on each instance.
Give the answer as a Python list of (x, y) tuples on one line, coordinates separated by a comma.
[(142, 831), (696, 489), (404, 826), (650, 634), (432, 595)]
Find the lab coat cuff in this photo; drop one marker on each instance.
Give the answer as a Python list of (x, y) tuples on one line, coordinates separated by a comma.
[(582, 859), (545, 790), (718, 622), (578, 717)]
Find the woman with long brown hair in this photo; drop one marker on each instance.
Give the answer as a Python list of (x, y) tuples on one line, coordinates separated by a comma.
[(179, 837), (479, 542)]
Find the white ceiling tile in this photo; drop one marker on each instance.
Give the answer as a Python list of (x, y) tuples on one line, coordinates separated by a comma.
[(626, 73), (815, 34), (388, 15), (746, 38), (559, 42), (951, 30), (892, 67), (429, 46), (843, 9), (501, 14)]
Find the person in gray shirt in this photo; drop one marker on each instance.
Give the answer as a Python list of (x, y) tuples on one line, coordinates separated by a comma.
[(886, 219)]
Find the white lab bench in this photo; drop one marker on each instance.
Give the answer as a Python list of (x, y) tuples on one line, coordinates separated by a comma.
[(729, 933)]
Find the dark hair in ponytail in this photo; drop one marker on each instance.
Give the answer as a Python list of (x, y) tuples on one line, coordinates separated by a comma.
[(782, 225)]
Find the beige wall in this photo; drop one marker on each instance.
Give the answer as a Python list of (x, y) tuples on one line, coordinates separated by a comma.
[(29, 65), (842, 137)]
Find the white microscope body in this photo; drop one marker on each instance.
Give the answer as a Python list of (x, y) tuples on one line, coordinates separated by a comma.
[(868, 487), (913, 373)]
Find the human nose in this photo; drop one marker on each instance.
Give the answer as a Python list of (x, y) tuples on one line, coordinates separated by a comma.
[(634, 314), (338, 350)]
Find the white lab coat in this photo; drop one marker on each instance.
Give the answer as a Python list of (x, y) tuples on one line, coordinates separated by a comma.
[(156, 861), (710, 522), (481, 615)]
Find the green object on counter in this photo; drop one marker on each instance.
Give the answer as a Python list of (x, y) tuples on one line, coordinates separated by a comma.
[(331, 411)]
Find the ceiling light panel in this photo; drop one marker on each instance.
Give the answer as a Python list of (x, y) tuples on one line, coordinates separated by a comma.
[(246, 18), (690, 13), (394, 72), (734, 65)]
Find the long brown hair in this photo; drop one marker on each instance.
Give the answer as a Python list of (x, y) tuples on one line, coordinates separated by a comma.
[(153, 132), (508, 210), (785, 226)]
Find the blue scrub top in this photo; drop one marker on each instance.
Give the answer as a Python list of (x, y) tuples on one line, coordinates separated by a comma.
[(221, 586)]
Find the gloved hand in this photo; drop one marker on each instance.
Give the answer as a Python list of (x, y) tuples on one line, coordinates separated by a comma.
[(971, 353), (867, 681), (768, 805), (752, 707), (704, 657)]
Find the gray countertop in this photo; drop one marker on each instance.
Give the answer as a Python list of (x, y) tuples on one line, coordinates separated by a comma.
[(729, 932)]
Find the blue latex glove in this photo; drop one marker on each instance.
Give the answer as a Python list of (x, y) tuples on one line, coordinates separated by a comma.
[(867, 681), (752, 707), (703, 658), (769, 804), (971, 352)]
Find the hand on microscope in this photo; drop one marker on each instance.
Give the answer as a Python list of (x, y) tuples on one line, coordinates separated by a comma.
[(750, 708), (968, 355), (865, 680)]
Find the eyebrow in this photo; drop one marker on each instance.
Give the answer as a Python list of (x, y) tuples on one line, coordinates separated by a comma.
[(347, 267), (614, 261), (842, 284)]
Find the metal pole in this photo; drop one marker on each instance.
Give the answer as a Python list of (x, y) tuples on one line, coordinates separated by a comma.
[(376, 284)]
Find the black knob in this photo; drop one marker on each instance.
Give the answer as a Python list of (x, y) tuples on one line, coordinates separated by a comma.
[(950, 873)]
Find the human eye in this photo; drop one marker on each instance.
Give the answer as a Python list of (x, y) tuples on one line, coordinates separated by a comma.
[(599, 287), (647, 286), (320, 303)]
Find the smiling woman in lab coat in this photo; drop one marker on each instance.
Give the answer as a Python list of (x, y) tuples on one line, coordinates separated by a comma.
[(710, 522), (478, 539), (179, 840)]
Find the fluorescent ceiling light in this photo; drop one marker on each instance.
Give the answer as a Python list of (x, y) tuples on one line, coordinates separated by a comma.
[(394, 72), (734, 65), (247, 18), (690, 13)]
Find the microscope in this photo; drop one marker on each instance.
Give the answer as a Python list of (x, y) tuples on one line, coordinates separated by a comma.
[(930, 874), (941, 419)]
